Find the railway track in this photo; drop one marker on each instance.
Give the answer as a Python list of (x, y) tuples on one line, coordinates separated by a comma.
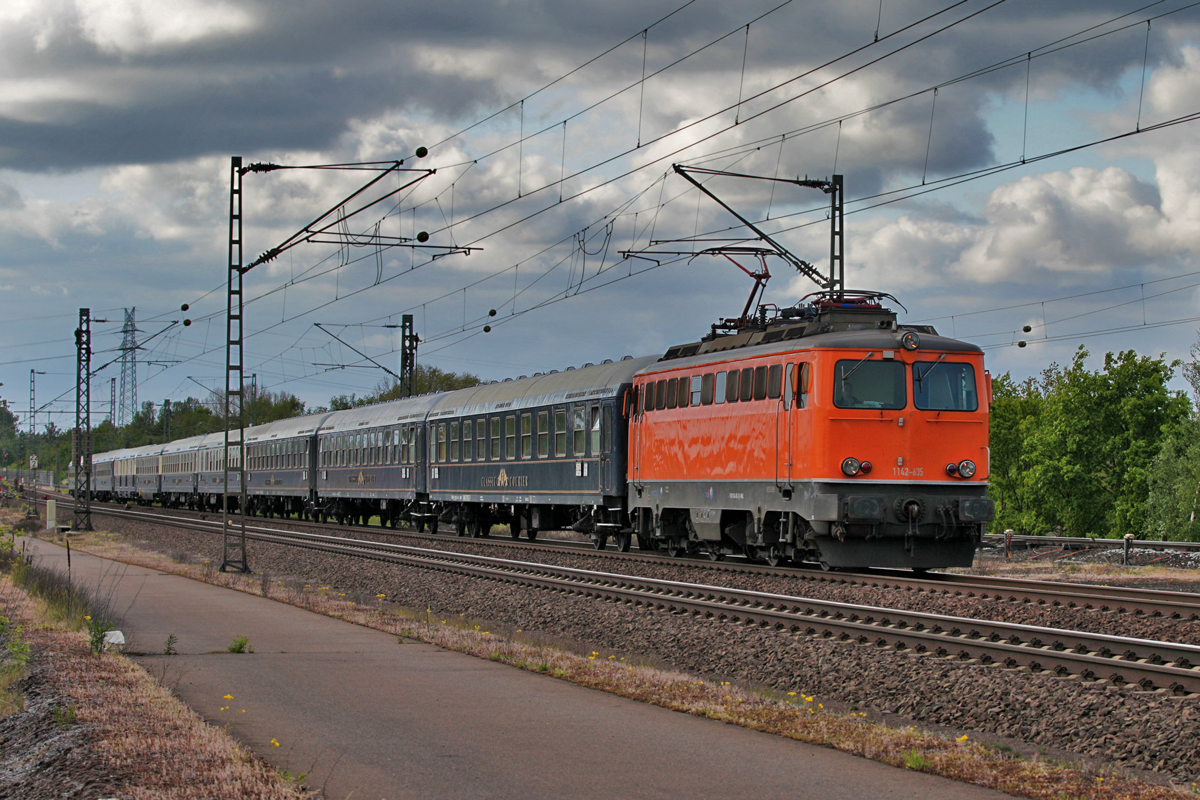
[(1121, 661), (1111, 599)]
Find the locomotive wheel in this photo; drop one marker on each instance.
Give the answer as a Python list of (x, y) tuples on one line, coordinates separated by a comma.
[(622, 540), (600, 541)]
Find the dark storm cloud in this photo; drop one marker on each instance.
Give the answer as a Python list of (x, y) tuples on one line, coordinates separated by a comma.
[(305, 69)]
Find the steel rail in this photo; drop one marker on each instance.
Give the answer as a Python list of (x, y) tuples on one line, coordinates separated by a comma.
[(1125, 600), (1120, 660)]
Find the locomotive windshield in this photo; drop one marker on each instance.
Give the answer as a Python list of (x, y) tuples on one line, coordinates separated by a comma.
[(869, 384), (944, 386)]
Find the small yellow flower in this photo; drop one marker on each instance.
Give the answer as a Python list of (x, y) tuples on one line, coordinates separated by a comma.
[(380, 595), (962, 738), (227, 697), (791, 694), (274, 742), (87, 618), (243, 711)]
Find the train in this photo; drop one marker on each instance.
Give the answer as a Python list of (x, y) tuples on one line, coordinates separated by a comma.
[(828, 433)]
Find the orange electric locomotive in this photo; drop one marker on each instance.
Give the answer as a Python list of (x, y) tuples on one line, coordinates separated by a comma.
[(831, 434)]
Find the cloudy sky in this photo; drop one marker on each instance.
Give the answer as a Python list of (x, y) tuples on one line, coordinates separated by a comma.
[(1006, 164)]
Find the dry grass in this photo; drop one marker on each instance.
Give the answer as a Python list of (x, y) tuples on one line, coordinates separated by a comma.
[(795, 715), (142, 731)]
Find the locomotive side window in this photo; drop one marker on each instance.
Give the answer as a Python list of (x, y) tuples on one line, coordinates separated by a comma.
[(543, 434), (697, 382), (789, 386), (747, 380), (580, 415), (774, 378), (526, 436), (861, 383), (944, 386), (719, 388), (648, 404), (731, 388), (760, 383), (560, 432), (804, 384), (706, 390), (672, 393), (660, 395)]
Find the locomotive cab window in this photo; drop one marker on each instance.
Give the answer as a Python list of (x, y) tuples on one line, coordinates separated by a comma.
[(944, 386), (862, 383)]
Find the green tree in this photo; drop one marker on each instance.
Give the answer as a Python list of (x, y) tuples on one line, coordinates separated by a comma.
[(1082, 462), (1174, 481)]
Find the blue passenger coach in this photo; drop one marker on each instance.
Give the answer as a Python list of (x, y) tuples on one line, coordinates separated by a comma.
[(540, 453)]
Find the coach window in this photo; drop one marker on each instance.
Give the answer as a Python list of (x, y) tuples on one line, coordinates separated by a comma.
[(774, 379), (648, 402), (719, 388), (468, 439), (697, 389), (414, 444), (441, 443), (862, 383), (660, 395), (543, 434), (580, 423), (495, 428), (526, 436), (454, 441), (510, 437), (481, 439), (379, 447), (596, 430), (732, 387), (560, 432)]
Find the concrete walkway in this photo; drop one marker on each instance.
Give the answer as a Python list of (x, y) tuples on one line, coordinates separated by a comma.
[(369, 718)]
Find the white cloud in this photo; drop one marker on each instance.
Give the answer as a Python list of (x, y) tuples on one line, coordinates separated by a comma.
[(131, 27)]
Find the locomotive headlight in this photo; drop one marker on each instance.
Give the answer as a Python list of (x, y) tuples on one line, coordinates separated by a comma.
[(910, 341), (966, 469), (851, 467)]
